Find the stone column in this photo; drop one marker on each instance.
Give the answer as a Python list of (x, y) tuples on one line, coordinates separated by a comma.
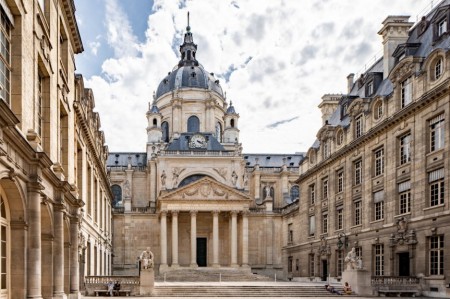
[(245, 239), (174, 238), (215, 239), (34, 241), (74, 267), (58, 257), (234, 239), (163, 239), (194, 239)]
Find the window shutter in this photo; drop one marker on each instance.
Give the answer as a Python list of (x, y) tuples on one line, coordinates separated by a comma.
[(404, 186), (436, 175)]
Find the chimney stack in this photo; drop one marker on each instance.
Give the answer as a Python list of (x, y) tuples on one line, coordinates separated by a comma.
[(350, 78), (394, 32)]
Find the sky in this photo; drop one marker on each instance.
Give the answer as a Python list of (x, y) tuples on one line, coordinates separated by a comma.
[(275, 59)]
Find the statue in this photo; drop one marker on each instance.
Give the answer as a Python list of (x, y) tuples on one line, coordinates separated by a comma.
[(127, 189), (175, 174), (245, 179), (163, 179), (234, 178), (267, 191), (353, 261), (146, 259)]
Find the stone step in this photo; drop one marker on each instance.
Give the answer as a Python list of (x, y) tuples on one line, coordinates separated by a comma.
[(242, 291), (208, 275)]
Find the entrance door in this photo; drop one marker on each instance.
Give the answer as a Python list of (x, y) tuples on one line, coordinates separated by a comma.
[(324, 270), (403, 264), (201, 252)]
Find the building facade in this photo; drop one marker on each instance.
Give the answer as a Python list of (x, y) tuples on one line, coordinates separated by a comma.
[(193, 196), (55, 200), (377, 177)]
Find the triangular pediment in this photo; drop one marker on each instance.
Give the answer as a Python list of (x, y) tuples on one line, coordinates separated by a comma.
[(205, 189)]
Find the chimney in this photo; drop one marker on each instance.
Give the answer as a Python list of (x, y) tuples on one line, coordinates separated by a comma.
[(394, 32), (350, 78), (328, 106)]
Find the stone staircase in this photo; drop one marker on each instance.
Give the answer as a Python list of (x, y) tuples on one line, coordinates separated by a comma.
[(242, 291), (210, 275)]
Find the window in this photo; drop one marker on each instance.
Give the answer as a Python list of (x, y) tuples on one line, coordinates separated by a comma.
[(297, 265), (312, 193), (357, 209), (339, 218), (437, 191), (311, 265), (340, 181), (117, 194), (379, 162), (357, 166), (290, 262), (40, 113), (340, 137), (438, 69), (312, 225), (437, 132), (295, 193), (324, 223), (378, 201), (442, 27), (193, 124), (358, 126), (326, 149), (165, 131), (437, 255), (369, 89), (405, 149), (406, 92), (324, 188), (339, 262), (379, 260), (219, 132), (5, 57), (378, 109), (404, 200), (290, 234)]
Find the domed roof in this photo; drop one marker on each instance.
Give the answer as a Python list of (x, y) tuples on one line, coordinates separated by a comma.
[(188, 73), (230, 109), (194, 76)]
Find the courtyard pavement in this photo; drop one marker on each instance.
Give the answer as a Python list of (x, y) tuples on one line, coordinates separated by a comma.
[(252, 283)]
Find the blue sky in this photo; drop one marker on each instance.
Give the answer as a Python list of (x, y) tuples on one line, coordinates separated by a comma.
[(274, 58)]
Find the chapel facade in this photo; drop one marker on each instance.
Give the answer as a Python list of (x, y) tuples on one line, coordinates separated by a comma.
[(193, 196)]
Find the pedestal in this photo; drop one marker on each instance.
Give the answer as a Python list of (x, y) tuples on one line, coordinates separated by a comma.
[(268, 202), (147, 282), (359, 281)]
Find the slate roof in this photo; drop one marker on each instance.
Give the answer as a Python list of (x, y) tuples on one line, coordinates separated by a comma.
[(121, 159), (273, 160)]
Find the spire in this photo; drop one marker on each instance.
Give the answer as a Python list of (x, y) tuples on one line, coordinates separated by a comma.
[(188, 48)]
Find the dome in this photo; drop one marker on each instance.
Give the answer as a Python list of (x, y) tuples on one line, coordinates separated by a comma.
[(189, 73), (189, 76)]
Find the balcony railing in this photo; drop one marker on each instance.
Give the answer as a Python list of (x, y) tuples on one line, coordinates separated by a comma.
[(396, 281)]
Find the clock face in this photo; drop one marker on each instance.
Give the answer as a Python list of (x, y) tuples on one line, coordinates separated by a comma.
[(197, 141)]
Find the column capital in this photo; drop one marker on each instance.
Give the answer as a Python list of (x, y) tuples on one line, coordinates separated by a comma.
[(245, 213), (163, 213), (215, 212), (234, 213), (193, 212), (174, 212)]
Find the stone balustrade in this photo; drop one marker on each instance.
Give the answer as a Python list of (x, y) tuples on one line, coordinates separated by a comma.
[(93, 283)]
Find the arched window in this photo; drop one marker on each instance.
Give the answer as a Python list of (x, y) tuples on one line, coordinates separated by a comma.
[(4, 247), (154, 121), (219, 132), (378, 110), (232, 122), (191, 179), (117, 194), (165, 131), (193, 124), (266, 190), (295, 193)]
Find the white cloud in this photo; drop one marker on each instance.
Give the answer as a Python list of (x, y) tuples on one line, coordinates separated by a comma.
[(285, 56), (94, 47)]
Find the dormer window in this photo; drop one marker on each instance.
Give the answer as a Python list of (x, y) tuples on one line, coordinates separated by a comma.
[(369, 89), (438, 69), (406, 92), (442, 27), (358, 126)]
